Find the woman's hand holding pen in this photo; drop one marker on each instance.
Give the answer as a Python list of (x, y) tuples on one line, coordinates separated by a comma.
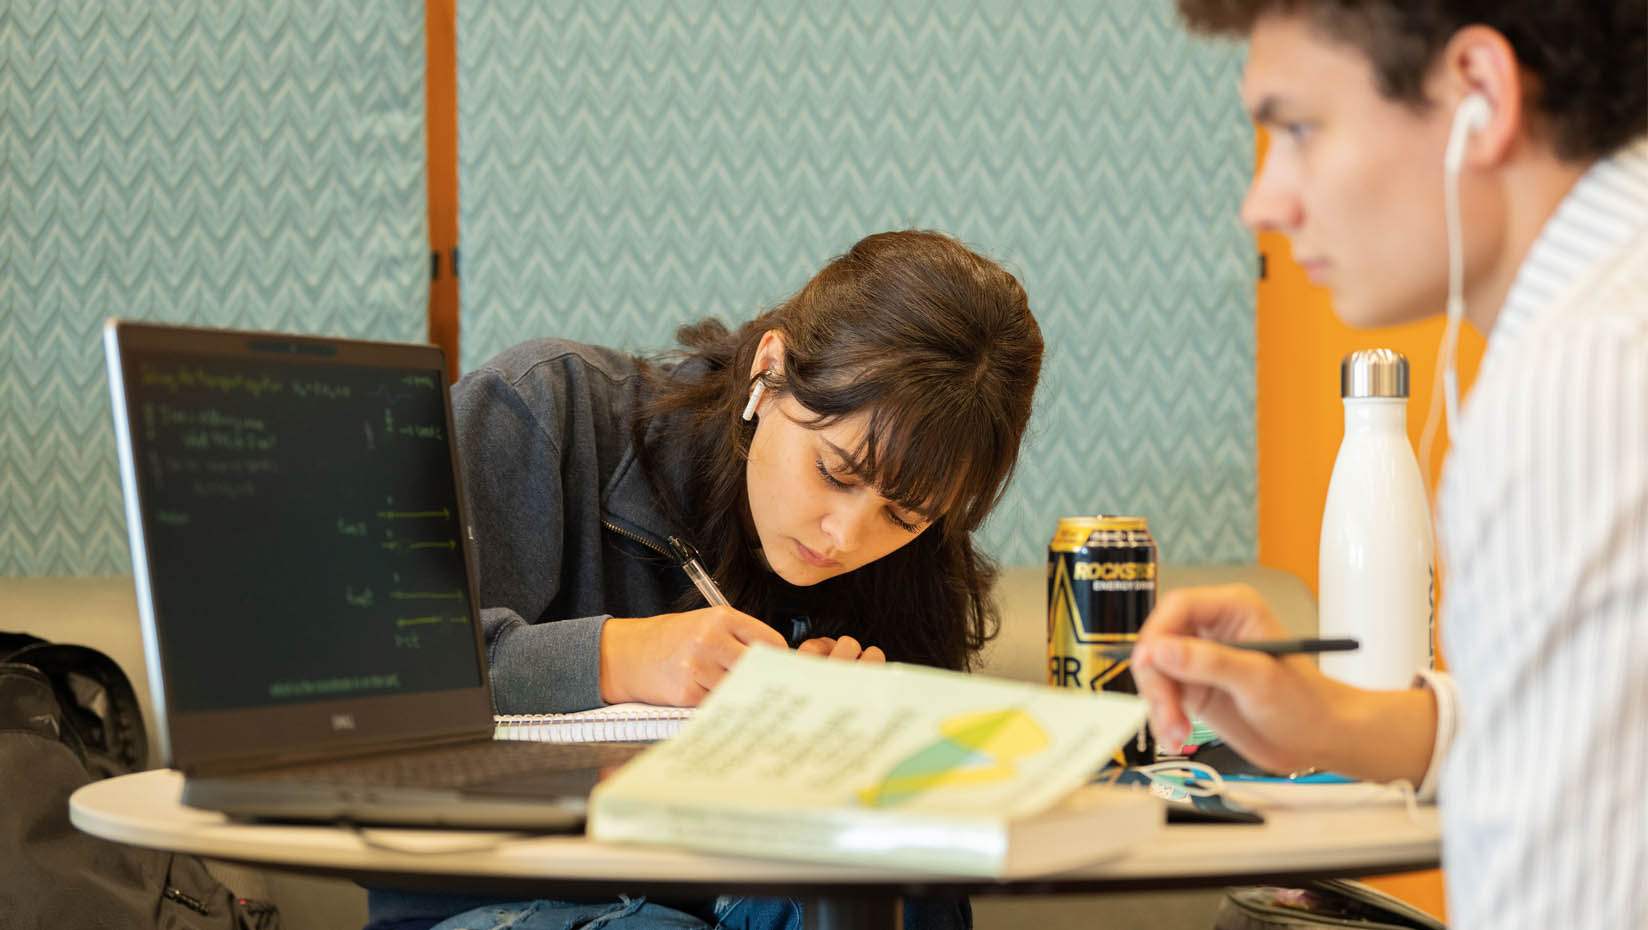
[(676, 658), (705, 676)]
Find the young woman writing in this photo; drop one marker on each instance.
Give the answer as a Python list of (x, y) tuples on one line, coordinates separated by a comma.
[(829, 460)]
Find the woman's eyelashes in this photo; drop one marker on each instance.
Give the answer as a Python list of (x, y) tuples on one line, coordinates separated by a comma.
[(909, 526), (903, 524), (832, 480)]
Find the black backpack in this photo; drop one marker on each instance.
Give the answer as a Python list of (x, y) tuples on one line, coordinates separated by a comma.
[(68, 716), (1320, 904)]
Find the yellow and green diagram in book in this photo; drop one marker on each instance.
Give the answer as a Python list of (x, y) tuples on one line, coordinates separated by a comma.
[(972, 749)]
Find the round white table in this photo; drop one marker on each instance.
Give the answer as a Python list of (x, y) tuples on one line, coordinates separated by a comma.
[(1294, 844)]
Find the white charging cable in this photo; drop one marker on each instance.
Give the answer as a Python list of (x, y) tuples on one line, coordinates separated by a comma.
[(1472, 114)]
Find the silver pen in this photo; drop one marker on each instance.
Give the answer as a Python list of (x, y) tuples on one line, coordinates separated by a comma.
[(688, 557)]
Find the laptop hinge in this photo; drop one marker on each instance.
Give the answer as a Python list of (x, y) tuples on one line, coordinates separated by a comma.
[(268, 762)]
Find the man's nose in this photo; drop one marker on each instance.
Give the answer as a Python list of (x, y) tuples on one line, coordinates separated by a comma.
[(1271, 202)]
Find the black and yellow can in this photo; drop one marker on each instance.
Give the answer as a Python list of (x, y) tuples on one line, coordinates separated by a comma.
[(1101, 585)]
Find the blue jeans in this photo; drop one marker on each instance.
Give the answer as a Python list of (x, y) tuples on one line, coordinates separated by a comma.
[(955, 913), (727, 913), (622, 914)]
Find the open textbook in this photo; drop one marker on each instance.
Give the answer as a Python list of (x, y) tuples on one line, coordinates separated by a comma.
[(796, 756), (615, 723)]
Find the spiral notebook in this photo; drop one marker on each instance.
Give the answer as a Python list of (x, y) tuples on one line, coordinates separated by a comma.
[(616, 723)]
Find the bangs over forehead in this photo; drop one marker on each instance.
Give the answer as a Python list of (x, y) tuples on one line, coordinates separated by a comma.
[(932, 452)]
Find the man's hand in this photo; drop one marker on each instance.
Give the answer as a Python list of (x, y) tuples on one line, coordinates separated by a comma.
[(1279, 712), (1271, 710)]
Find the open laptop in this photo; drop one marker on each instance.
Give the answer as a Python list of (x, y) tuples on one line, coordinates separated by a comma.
[(301, 558)]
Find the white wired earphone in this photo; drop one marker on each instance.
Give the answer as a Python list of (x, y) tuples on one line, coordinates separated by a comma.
[(1471, 115)]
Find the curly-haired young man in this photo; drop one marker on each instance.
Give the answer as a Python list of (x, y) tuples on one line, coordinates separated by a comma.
[(1490, 159)]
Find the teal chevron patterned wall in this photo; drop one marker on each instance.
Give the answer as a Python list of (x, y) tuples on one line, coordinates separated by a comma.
[(226, 162), (625, 167)]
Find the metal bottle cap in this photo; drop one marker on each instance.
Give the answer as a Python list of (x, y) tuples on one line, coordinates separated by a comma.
[(1373, 373)]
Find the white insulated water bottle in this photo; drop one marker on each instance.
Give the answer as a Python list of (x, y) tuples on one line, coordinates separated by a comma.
[(1377, 575)]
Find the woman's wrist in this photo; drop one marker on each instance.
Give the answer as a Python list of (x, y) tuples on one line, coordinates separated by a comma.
[(613, 682)]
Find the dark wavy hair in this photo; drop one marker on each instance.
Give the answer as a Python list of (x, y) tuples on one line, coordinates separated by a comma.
[(1586, 56), (937, 345)]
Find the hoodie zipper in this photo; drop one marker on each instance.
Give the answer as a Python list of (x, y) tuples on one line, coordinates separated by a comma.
[(637, 537)]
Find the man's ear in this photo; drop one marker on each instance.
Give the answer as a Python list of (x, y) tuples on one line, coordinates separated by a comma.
[(1479, 60)]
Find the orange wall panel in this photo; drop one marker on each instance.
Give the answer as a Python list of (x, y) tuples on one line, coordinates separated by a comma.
[(441, 136)]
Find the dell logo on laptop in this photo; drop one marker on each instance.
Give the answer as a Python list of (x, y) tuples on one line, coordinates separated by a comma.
[(343, 721)]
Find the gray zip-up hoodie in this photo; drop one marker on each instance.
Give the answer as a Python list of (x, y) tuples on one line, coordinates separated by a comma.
[(568, 533)]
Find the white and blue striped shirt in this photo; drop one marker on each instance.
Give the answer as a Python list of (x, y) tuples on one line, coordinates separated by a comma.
[(1544, 530)]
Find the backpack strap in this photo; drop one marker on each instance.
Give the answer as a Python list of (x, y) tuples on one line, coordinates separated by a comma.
[(11, 642), (96, 699), (28, 703)]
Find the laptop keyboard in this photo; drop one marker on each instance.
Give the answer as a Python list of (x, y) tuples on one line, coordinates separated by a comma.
[(456, 766)]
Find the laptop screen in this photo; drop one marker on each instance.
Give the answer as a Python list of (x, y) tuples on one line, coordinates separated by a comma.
[(300, 518)]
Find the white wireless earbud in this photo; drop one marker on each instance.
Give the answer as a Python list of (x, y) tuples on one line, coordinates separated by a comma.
[(1472, 114), (759, 389)]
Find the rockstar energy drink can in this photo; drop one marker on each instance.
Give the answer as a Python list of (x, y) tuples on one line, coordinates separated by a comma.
[(1101, 585)]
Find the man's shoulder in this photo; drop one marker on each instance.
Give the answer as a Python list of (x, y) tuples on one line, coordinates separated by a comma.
[(1587, 344), (1608, 300), (1617, 293)]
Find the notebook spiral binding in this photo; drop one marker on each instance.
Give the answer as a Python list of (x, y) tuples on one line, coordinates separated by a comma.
[(618, 723)]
